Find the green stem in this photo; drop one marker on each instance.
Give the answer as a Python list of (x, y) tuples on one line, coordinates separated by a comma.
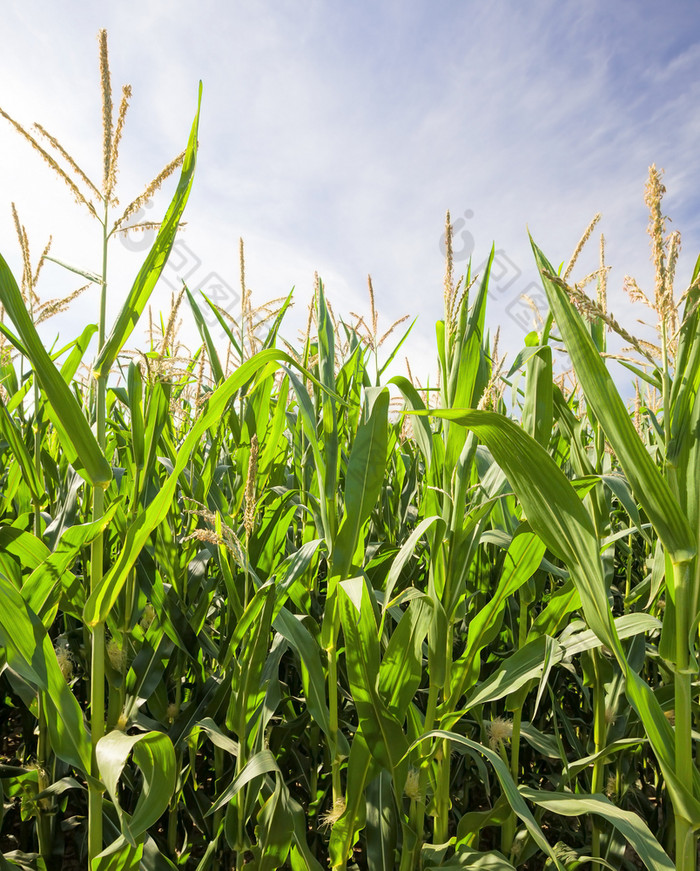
[(129, 603), (685, 838), (97, 722), (97, 674), (510, 825), (408, 851), (331, 647), (172, 829), (442, 793), (418, 819), (599, 738), (43, 753), (333, 719), (218, 771), (46, 805), (97, 688)]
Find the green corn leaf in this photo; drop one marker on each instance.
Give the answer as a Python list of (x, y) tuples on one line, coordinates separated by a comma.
[(465, 857), (468, 376), (14, 341), (555, 512), (216, 367), (225, 326), (563, 602), (421, 427), (394, 351), (306, 646), (245, 625), (119, 856), (364, 477), (404, 555), (648, 484), (273, 330), (522, 559), (628, 823), (262, 763), (25, 547), (154, 755), (216, 736), (275, 828), (381, 825), (153, 859), (326, 370), (474, 821), (683, 399), (248, 687), (627, 626), (307, 418), (361, 768), (381, 729), (538, 405), (575, 768), (30, 653), (551, 506), (401, 669), (77, 351), (102, 599), (652, 379), (48, 582), (30, 474), (526, 664), (508, 786), (154, 424), (134, 385), (62, 401), (292, 570), (301, 857), (155, 261)]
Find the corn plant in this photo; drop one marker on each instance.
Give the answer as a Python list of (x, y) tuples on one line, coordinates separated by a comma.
[(256, 614)]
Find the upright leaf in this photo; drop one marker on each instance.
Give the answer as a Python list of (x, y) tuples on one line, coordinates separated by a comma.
[(155, 261)]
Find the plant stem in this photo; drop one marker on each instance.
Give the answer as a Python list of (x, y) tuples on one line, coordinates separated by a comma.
[(218, 771), (685, 838), (419, 819), (43, 752), (45, 805), (97, 674), (97, 702), (510, 825), (599, 738), (442, 796), (333, 718), (443, 759)]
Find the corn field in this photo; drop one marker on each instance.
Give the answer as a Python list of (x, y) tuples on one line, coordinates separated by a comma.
[(264, 605)]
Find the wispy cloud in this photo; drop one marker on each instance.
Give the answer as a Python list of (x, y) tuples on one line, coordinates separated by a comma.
[(334, 137)]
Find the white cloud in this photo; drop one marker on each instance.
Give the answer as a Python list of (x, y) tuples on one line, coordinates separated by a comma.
[(335, 137)]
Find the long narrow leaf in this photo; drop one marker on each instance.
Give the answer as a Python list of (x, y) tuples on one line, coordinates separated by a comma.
[(155, 261)]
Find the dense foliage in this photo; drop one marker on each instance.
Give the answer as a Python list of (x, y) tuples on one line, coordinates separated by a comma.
[(253, 612)]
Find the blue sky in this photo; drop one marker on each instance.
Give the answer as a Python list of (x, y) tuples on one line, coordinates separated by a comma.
[(334, 136)]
